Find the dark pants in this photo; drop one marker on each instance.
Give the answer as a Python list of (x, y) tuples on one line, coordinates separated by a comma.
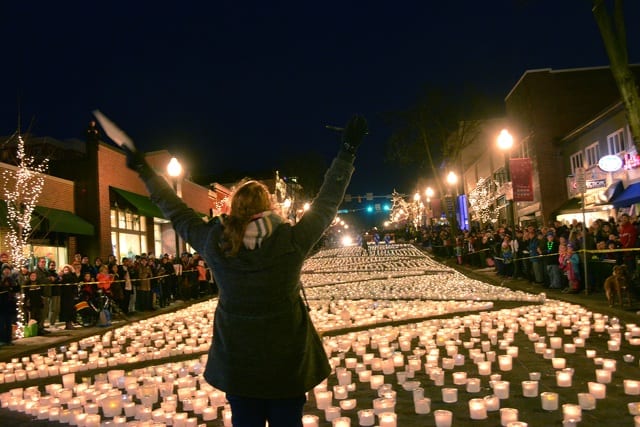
[(6, 326), (253, 412)]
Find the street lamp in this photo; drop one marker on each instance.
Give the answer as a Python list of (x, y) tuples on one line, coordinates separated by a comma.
[(505, 143), (429, 193), (174, 169), (452, 180)]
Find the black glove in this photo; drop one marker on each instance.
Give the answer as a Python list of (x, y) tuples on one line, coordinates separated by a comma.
[(354, 132), (137, 162)]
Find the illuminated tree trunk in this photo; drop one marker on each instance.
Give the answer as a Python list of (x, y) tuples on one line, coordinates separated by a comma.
[(22, 189)]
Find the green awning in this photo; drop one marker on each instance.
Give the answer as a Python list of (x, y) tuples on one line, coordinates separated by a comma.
[(64, 221), (140, 203)]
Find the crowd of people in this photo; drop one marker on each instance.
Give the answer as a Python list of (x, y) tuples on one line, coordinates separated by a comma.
[(552, 256), (142, 283)]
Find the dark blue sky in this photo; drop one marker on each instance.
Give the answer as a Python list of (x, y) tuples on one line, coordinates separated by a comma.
[(232, 84)]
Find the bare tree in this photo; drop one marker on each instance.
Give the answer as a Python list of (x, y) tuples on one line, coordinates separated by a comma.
[(612, 29)]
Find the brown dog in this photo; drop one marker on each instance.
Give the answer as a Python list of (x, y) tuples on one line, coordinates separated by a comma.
[(617, 285)]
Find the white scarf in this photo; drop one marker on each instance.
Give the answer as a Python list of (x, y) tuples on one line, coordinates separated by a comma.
[(260, 227)]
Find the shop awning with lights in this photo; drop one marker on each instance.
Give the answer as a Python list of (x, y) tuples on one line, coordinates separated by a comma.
[(64, 221), (628, 197), (141, 204), (613, 191), (570, 206)]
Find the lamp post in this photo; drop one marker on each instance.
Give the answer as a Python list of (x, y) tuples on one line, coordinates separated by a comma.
[(429, 193), (505, 143), (452, 180), (174, 169)]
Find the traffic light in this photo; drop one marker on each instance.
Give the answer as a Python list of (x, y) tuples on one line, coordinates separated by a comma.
[(369, 209)]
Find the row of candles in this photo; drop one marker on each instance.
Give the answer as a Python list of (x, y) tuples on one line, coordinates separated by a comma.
[(188, 331), (400, 272), (437, 335), (151, 395), (378, 351)]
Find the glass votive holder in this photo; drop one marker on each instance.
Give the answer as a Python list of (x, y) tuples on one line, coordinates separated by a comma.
[(449, 395), (549, 401), (366, 417), (587, 401), (508, 415), (341, 422), (559, 362), (443, 418), (501, 389), (634, 408), (477, 409), (422, 405), (631, 387), (598, 390), (473, 385), (603, 376), (534, 376), (530, 388), (571, 411)]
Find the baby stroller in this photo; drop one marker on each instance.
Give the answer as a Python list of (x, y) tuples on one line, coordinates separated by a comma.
[(86, 313)]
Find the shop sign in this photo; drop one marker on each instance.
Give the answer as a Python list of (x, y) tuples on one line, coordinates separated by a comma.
[(610, 163)]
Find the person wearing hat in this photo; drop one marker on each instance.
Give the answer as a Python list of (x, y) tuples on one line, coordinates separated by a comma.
[(550, 252), (266, 353)]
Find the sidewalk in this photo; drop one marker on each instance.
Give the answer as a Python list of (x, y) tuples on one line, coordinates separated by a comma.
[(596, 302), (24, 347)]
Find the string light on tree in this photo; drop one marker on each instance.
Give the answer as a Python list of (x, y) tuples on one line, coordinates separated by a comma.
[(482, 200), (22, 189)]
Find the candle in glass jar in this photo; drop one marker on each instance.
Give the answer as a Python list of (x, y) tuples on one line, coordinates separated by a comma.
[(331, 413), (459, 378), (603, 376), (505, 362), (484, 368), (210, 413), (492, 403), (631, 387), (443, 418), (508, 415), (563, 378), (473, 385), (388, 419), (634, 408), (347, 404), (364, 376), (559, 362), (366, 417), (341, 422), (587, 401), (376, 381), (501, 389), (422, 405), (530, 388), (323, 399), (597, 390), (549, 401), (571, 411), (449, 395), (477, 409), (569, 348)]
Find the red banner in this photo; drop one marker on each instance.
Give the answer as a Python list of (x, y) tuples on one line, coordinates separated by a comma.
[(522, 179)]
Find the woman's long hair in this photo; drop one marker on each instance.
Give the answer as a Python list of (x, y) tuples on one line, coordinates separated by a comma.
[(249, 198)]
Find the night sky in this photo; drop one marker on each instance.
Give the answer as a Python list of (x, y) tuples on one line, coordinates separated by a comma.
[(239, 86)]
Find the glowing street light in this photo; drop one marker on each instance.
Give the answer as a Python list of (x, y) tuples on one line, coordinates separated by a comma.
[(505, 143), (174, 170), (452, 178)]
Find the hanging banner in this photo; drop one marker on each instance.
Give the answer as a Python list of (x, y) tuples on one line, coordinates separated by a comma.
[(522, 179)]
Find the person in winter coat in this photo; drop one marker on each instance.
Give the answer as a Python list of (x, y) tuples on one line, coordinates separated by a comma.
[(68, 293), (266, 352)]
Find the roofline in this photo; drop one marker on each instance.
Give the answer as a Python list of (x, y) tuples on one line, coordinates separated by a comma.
[(550, 70), (588, 124)]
